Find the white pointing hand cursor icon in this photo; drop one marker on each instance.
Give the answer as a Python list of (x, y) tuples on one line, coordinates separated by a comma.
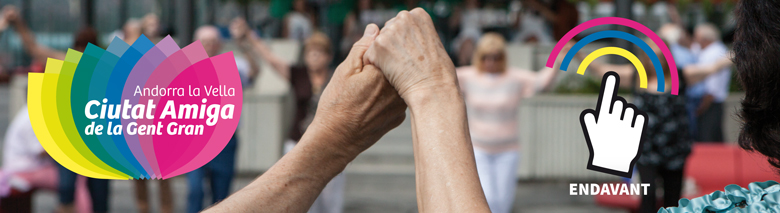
[(614, 132)]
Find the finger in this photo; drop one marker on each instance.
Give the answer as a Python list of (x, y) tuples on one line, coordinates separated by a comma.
[(425, 23), (354, 60), (369, 57), (393, 19), (628, 115), (608, 90), (360, 47), (374, 54), (424, 19), (383, 95), (372, 74), (640, 122), (617, 108), (389, 22), (589, 119), (416, 32)]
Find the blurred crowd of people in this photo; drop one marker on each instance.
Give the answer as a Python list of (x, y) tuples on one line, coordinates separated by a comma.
[(492, 90), (459, 23)]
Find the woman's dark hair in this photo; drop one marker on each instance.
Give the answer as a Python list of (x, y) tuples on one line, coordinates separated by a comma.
[(757, 58)]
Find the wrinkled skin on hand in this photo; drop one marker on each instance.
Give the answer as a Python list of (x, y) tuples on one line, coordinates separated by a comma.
[(359, 105), (410, 54)]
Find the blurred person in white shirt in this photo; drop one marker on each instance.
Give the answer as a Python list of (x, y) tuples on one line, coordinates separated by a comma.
[(493, 92), (714, 89), (26, 165)]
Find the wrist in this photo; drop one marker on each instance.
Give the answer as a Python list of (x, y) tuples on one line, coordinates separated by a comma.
[(312, 161), (435, 93), (331, 145)]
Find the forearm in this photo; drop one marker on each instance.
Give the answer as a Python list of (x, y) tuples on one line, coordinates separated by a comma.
[(446, 172), (295, 181), (545, 78), (696, 73), (278, 64), (27, 37), (36, 50)]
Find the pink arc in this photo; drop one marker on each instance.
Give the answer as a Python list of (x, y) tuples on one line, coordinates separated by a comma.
[(624, 22)]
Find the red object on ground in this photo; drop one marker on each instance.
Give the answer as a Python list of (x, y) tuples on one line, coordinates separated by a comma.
[(713, 166)]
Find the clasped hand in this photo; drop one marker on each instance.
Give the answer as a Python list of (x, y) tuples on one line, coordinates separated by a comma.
[(385, 71), (403, 65)]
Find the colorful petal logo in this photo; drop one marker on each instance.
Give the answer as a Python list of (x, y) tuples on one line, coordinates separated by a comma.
[(136, 111)]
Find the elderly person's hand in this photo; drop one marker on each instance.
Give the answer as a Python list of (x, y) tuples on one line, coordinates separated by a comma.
[(356, 109), (359, 105), (412, 57)]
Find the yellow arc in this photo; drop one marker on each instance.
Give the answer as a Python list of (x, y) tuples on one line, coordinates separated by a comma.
[(45, 124), (616, 51)]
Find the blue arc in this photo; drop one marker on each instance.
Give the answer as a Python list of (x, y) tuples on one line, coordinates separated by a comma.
[(114, 88), (621, 35)]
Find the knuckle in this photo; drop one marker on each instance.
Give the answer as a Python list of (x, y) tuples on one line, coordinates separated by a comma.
[(403, 15), (420, 13), (380, 40), (355, 65), (389, 22), (382, 43), (393, 29), (359, 45)]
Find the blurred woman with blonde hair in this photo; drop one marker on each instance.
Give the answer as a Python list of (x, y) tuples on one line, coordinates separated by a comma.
[(493, 92)]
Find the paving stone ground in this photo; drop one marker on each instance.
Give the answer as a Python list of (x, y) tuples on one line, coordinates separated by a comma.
[(366, 193)]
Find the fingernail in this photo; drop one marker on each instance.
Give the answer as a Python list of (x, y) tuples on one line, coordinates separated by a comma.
[(370, 30)]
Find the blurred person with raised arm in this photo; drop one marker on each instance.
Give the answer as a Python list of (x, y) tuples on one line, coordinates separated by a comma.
[(493, 93), (98, 188), (308, 81)]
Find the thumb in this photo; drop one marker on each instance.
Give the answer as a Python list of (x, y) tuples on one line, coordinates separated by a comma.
[(588, 120), (355, 58)]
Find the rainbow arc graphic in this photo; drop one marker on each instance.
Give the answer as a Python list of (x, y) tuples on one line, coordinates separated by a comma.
[(617, 50), (57, 99)]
